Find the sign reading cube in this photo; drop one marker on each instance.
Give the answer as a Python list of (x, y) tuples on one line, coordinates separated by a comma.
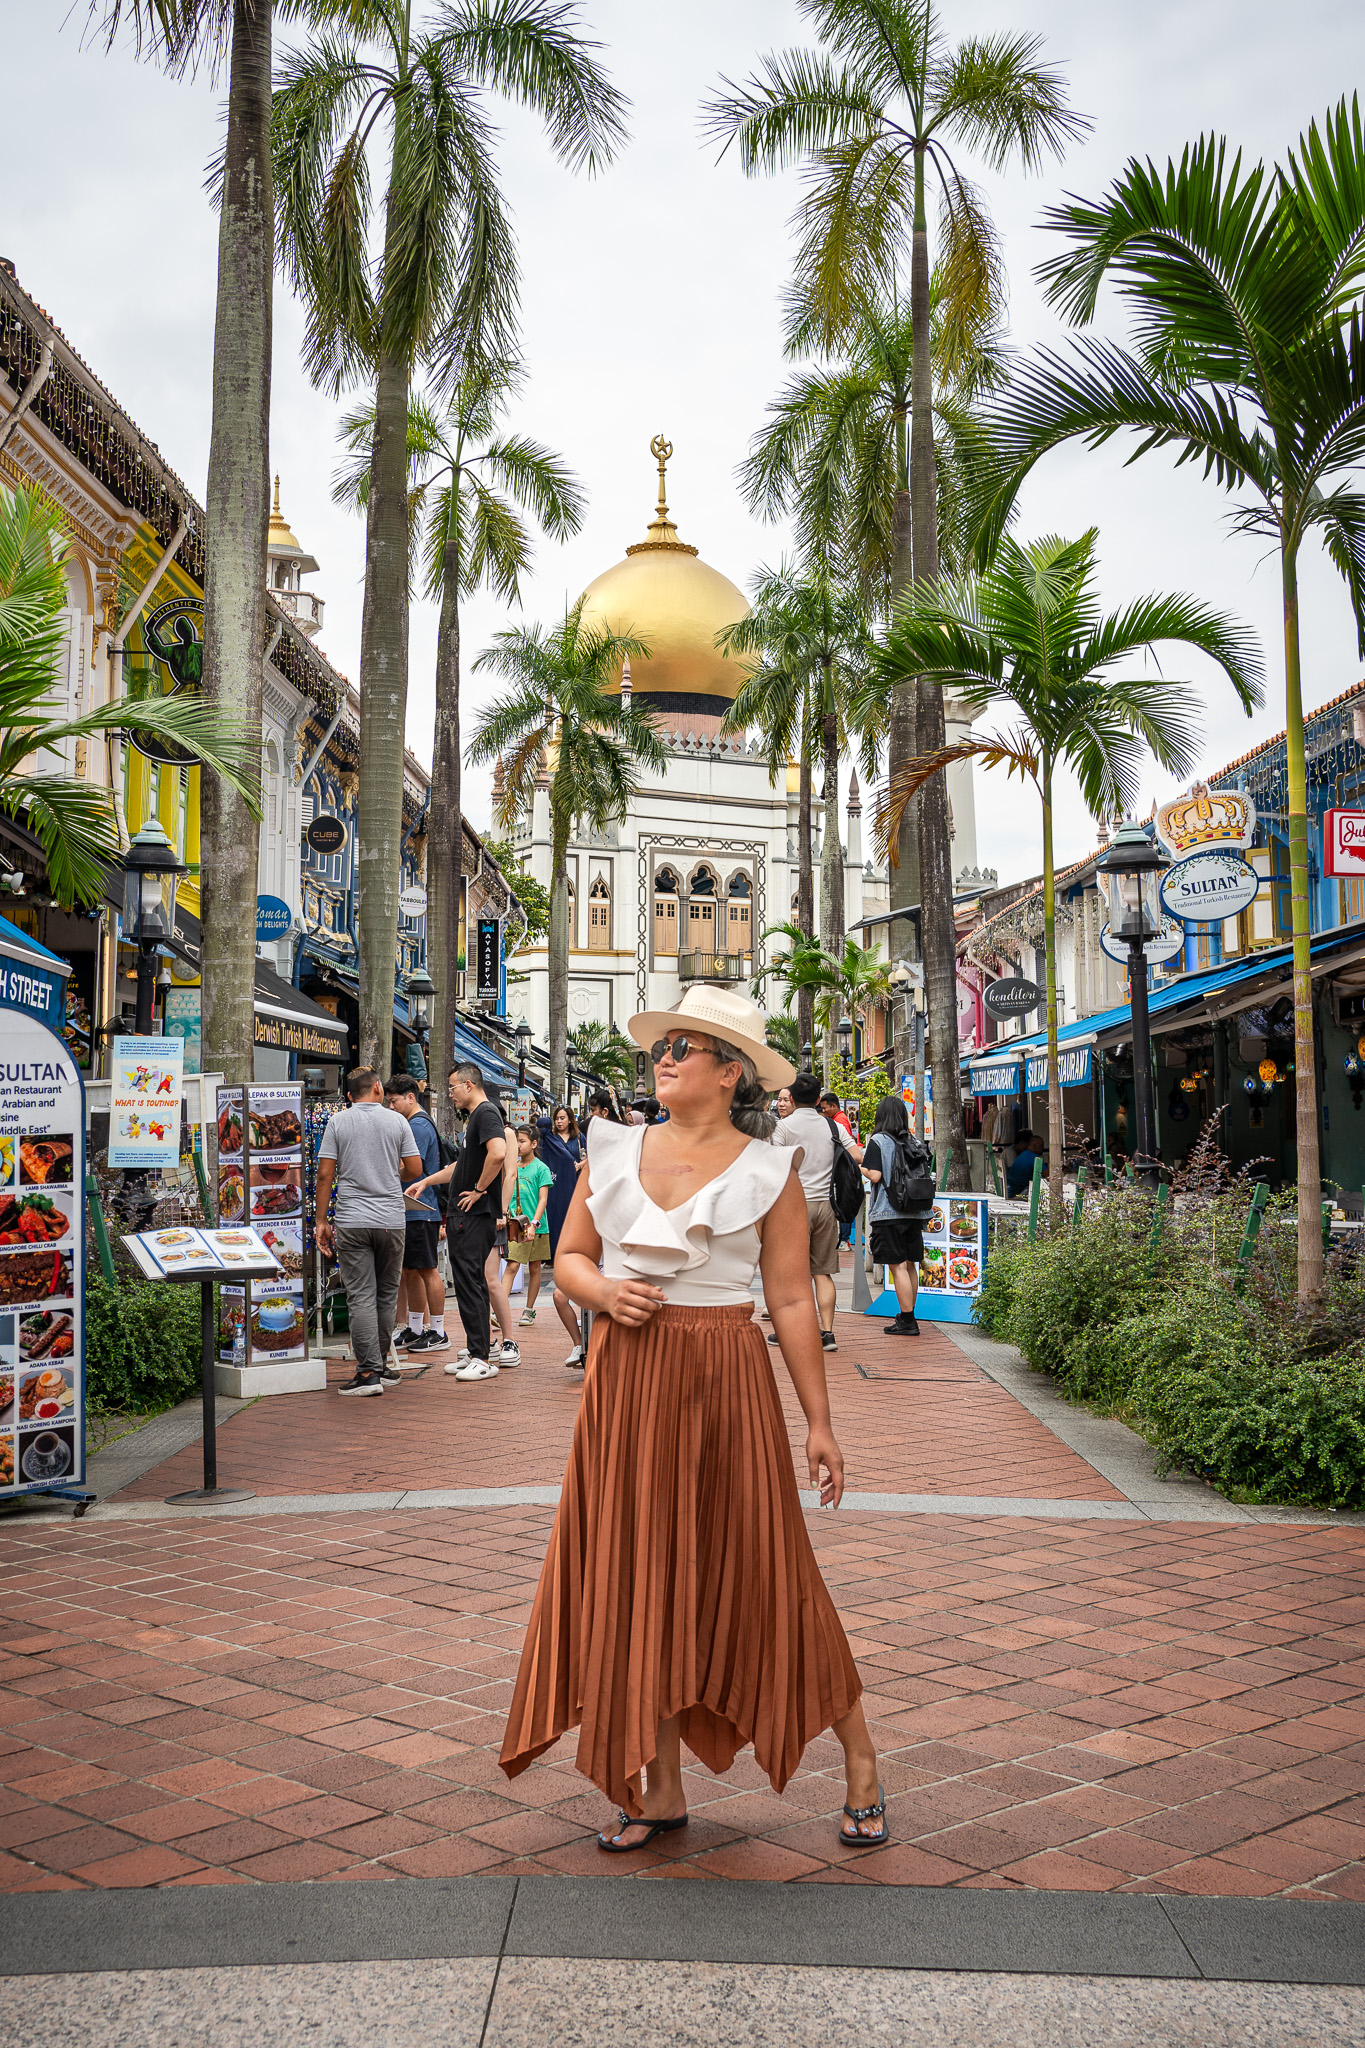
[(325, 834)]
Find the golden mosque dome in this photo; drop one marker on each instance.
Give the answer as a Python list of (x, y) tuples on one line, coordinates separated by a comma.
[(666, 596)]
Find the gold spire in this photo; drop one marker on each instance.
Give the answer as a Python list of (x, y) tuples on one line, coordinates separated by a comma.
[(276, 507), (662, 532)]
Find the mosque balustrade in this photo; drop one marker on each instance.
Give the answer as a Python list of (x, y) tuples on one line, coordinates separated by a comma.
[(714, 966)]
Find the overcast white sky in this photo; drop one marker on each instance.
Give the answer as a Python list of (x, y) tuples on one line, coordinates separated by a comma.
[(650, 303)]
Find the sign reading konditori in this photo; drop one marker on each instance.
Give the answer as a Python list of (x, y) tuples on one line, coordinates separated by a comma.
[(1011, 996)]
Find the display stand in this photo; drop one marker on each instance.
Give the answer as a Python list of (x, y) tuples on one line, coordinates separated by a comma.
[(954, 1263), (182, 1257)]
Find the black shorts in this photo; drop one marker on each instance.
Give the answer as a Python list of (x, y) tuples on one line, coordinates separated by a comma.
[(419, 1246), (896, 1244)]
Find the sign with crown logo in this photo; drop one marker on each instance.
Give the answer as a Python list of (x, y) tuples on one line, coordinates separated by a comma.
[(1206, 817)]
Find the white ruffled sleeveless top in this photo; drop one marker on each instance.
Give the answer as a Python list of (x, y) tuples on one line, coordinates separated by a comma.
[(702, 1254)]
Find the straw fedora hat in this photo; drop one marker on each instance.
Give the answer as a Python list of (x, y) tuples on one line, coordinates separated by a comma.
[(721, 1013)]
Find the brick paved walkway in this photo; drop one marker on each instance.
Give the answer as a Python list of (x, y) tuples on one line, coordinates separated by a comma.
[(930, 1421), (1065, 1705)]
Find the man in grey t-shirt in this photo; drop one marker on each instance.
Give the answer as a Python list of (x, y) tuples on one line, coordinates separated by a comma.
[(369, 1152)]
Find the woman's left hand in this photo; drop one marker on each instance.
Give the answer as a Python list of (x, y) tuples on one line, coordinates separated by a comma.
[(822, 1450)]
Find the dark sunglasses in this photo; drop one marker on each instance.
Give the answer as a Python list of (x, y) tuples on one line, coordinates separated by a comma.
[(678, 1049)]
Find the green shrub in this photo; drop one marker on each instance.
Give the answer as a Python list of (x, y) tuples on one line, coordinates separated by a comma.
[(142, 1345), (1262, 1394)]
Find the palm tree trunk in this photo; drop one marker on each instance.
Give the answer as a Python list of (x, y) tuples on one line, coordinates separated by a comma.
[(383, 710), (831, 876), (558, 949), (1309, 1162), (938, 931), (1056, 1137), (237, 508), (445, 841), (902, 938), (805, 883)]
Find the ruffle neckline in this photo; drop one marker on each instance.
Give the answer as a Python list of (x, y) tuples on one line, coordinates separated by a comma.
[(660, 1243)]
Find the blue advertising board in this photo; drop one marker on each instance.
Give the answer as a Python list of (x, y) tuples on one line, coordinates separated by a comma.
[(274, 919)]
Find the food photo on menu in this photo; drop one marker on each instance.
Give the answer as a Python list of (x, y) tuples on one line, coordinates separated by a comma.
[(933, 1269), (47, 1455), (30, 1278), (277, 1186), (274, 1130), (230, 1128), (48, 1394), (9, 1341), (284, 1241), (231, 1198), (7, 1414), (31, 1216), (9, 1158), (6, 1461), (45, 1157), (50, 1333)]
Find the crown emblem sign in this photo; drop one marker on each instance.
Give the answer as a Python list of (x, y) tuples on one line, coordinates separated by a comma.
[(1206, 817)]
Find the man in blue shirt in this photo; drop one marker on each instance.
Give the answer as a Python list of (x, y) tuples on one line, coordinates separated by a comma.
[(421, 1291), (1019, 1172)]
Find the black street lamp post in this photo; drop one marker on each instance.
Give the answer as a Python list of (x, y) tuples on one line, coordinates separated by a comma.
[(421, 989), (1132, 870), (807, 1055), (522, 1035), (147, 917), (843, 1031)]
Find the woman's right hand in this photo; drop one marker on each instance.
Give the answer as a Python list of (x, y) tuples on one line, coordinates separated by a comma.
[(632, 1301)]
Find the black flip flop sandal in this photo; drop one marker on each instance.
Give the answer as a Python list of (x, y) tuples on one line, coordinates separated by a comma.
[(656, 1827), (858, 1813)]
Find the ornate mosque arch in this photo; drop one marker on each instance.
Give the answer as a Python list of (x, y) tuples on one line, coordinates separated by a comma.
[(676, 854)]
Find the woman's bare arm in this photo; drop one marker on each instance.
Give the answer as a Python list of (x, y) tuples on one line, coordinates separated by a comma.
[(580, 1249), (785, 1266)]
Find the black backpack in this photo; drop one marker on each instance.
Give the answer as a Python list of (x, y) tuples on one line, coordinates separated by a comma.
[(910, 1183), (845, 1186)]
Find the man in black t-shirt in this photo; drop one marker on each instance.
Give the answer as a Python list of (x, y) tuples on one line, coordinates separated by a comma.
[(473, 1211)]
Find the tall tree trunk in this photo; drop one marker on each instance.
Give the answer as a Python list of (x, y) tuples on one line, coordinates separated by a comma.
[(1056, 1136), (445, 841), (831, 875), (237, 511), (805, 883), (937, 929), (903, 744), (1308, 1161), (558, 949), (383, 711)]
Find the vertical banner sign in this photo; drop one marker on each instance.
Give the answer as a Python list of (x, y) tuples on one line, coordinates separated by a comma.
[(489, 984), (146, 1083), (42, 1259), (260, 1184)]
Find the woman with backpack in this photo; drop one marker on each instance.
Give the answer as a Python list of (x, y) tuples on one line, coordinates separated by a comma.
[(901, 1170)]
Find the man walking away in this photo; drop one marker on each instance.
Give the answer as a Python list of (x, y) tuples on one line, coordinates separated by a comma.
[(472, 1214), (421, 1282), (898, 1233), (816, 1136), (369, 1152)]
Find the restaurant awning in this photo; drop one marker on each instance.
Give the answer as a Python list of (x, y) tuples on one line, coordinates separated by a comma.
[(289, 1021), (31, 978)]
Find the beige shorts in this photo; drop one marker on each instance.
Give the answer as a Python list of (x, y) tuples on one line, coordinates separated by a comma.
[(824, 1238)]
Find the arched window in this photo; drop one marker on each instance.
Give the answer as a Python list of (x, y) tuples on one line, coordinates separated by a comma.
[(702, 893), (573, 911), (665, 914), (738, 925), (599, 916)]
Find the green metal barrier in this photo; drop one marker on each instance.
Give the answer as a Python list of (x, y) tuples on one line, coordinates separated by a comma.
[(1034, 1193), (1255, 1217), (198, 1157), (1078, 1205), (97, 1224), (1163, 1196)]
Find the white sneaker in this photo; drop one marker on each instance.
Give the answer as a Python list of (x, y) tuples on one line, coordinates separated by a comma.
[(575, 1357), (477, 1369), (510, 1354), (457, 1363)]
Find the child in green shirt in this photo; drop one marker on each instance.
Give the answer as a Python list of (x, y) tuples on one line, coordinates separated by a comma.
[(528, 1241)]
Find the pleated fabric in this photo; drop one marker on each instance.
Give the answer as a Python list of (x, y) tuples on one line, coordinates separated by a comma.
[(679, 1577)]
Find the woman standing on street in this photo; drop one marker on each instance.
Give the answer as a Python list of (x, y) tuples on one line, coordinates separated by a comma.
[(680, 1600)]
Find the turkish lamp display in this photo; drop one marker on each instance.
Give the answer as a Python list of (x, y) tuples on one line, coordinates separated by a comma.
[(1132, 871)]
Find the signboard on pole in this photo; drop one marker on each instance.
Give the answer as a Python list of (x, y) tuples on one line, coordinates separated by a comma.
[(1169, 941), (1343, 844), (1011, 996), (412, 902), (42, 1260), (488, 986), (1206, 887), (325, 834), (274, 919), (261, 1185), (146, 1083)]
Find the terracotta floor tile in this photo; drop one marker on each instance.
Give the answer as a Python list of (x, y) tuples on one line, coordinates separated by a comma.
[(138, 1868)]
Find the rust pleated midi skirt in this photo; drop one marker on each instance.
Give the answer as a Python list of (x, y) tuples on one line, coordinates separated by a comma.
[(679, 1577)]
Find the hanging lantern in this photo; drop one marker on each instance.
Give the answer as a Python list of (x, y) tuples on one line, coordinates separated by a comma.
[(1190, 1084), (1268, 1071)]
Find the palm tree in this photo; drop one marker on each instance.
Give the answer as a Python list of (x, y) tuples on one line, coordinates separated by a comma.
[(870, 116), (843, 983), (1029, 632), (807, 638), (438, 279), (601, 1050), (471, 485), (76, 823), (559, 710), (1250, 360), (182, 34)]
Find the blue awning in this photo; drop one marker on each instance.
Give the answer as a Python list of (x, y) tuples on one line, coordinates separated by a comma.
[(492, 1065), (1174, 996), (31, 978)]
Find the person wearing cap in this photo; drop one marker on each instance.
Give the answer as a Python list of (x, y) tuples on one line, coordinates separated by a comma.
[(680, 1601)]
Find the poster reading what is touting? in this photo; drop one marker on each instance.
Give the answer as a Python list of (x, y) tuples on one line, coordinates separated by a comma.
[(147, 1081), (42, 1273), (261, 1182)]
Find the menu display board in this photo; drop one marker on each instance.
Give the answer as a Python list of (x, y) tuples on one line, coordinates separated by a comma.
[(42, 1259), (954, 1261), (146, 1083), (261, 1184)]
